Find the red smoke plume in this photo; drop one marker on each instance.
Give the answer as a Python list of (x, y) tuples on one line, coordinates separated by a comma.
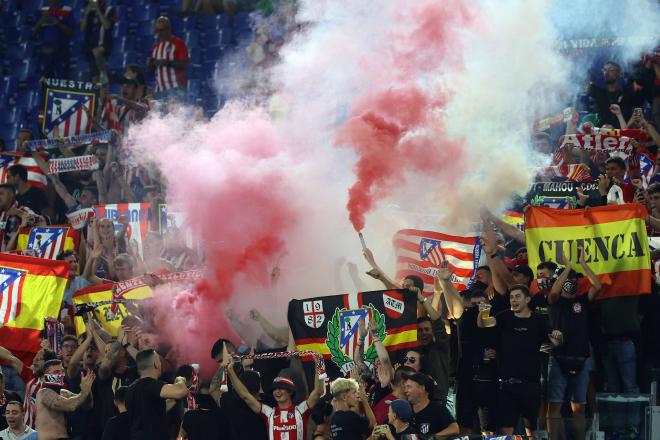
[(395, 128)]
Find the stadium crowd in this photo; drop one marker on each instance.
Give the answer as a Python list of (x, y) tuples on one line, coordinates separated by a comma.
[(518, 351)]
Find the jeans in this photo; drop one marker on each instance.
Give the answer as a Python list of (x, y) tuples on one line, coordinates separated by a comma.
[(621, 366)]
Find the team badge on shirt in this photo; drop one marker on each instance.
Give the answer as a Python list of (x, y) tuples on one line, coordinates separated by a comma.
[(577, 307), (343, 336), (424, 428)]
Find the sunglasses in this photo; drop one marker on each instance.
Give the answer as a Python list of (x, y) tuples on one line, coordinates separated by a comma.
[(411, 360)]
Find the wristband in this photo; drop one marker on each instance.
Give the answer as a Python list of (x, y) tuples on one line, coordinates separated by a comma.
[(495, 255), (360, 343)]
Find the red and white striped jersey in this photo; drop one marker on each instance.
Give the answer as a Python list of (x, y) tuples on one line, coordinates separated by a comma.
[(168, 78), (286, 424), (30, 401)]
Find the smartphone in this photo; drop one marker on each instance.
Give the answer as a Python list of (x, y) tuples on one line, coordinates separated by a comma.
[(637, 111)]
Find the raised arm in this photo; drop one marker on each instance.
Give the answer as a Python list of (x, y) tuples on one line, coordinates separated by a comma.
[(12, 360), (92, 264), (70, 403), (279, 335), (73, 369), (177, 390), (240, 389), (376, 272), (317, 392), (452, 296), (509, 230), (614, 108), (593, 278), (364, 400), (383, 355)]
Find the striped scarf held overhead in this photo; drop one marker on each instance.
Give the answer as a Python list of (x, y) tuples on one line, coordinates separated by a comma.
[(70, 164)]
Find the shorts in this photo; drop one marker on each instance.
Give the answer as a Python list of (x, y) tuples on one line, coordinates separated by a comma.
[(559, 383), (476, 399), (516, 400)]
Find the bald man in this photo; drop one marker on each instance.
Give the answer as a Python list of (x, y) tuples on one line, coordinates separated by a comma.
[(168, 61)]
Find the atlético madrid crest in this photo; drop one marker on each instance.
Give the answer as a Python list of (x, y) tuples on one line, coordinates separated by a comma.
[(342, 335)]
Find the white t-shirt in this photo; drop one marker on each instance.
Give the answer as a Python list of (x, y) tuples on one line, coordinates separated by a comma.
[(7, 434)]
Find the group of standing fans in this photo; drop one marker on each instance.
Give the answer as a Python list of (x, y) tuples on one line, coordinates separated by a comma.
[(519, 350)]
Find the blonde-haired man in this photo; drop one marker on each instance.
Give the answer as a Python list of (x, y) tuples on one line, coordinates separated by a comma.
[(347, 422)]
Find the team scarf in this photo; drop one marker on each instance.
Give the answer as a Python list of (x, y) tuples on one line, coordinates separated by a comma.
[(78, 219), (574, 172), (54, 333), (101, 137), (191, 401), (598, 142), (564, 117), (70, 164), (319, 363), (119, 289)]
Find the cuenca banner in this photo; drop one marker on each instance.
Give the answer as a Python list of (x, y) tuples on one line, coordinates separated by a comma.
[(613, 237), (329, 324)]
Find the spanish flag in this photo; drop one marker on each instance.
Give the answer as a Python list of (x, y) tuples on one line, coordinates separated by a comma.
[(48, 242), (516, 219), (329, 324), (99, 298), (31, 289), (613, 238)]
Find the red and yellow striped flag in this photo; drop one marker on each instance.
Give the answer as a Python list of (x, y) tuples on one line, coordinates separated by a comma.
[(613, 238), (100, 298), (31, 289)]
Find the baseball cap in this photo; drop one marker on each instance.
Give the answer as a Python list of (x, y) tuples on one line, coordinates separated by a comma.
[(284, 383), (402, 409), (525, 270)]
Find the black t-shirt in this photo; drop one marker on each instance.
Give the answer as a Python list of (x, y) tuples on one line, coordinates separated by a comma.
[(9, 396), (204, 424), (539, 304), (518, 354), (407, 434), (34, 198), (433, 418), (146, 410), (348, 425), (239, 420), (571, 317), (474, 341), (117, 427)]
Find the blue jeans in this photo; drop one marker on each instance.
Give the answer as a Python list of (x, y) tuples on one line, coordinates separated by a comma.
[(621, 366), (559, 381)]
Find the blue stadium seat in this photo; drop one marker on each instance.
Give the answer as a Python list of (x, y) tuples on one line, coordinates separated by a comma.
[(146, 12), (8, 134), (212, 53), (15, 115), (26, 68), (193, 87), (9, 84), (191, 38), (213, 37), (120, 29), (211, 21), (27, 99), (242, 21), (195, 54), (145, 28)]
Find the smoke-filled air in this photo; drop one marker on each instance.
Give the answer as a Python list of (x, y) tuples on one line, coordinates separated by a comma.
[(378, 116)]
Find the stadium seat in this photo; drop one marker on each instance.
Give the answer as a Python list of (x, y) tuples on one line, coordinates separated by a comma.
[(191, 39), (120, 29), (211, 21), (9, 84), (242, 21), (27, 99), (26, 69), (14, 115)]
